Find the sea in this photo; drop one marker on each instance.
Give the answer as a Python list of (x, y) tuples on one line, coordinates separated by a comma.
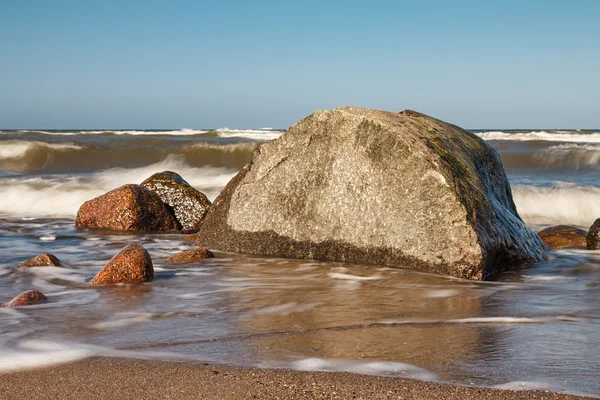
[(536, 328)]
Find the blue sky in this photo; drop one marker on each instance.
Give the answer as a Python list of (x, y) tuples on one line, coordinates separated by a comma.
[(196, 64)]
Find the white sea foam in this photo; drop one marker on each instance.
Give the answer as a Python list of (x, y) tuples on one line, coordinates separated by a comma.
[(16, 149), (61, 196), (36, 354), (387, 368), (255, 134), (561, 204), (542, 136), (348, 277)]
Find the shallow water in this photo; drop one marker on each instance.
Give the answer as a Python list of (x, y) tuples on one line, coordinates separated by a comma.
[(533, 328)]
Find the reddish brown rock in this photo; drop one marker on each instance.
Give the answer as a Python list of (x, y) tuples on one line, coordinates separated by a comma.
[(564, 237), (191, 238), (28, 298), (42, 260), (132, 265), (190, 257), (129, 208)]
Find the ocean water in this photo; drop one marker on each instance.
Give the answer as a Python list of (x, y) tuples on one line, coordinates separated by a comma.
[(534, 328)]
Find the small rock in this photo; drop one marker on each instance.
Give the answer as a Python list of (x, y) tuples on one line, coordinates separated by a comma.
[(190, 257), (130, 208), (42, 260), (132, 265), (191, 238), (593, 236), (189, 205), (28, 298), (563, 237)]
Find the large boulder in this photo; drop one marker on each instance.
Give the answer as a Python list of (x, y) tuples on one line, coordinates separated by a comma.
[(188, 204), (593, 236), (564, 237), (133, 264), (129, 208), (376, 187)]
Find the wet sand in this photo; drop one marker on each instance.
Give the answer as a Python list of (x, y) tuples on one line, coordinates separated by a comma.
[(120, 378)]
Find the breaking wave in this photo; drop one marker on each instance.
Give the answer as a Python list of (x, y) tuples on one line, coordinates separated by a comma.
[(553, 136), (61, 196), (562, 204)]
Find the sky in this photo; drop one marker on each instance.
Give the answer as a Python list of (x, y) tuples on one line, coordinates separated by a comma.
[(240, 64)]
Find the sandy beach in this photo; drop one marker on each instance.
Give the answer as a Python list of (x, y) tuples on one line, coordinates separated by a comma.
[(119, 378)]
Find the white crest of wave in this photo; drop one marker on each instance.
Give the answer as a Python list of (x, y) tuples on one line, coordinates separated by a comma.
[(574, 155), (542, 136), (180, 132), (561, 204), (254, 134), (13, 149), (62, 196)]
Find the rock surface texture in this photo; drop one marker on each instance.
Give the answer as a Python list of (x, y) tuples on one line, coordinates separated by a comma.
[(564, 237), (190, 257), (188, 204), (375, 187), (130, 208), (593, 236), (42, 260), (132, 265), (27, 298)]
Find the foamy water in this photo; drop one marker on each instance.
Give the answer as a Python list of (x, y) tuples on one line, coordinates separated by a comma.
[(298, 314)]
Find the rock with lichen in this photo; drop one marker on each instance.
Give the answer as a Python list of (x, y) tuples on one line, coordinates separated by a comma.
[(129, 208), (593, 236), (188, 204), (375, 187), (133, 264)]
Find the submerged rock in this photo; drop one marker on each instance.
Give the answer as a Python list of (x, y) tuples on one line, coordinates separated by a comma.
[(375, 187), (564, 237), (190, 257), (188, 204), (132, 265), (593, 236), (27, 298), (130, 208), (42, 260)]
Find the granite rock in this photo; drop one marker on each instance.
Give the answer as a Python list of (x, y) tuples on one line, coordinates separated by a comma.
[(129, 208), (188, 204), (27, 298), (190, 257), (42, 260), (132, 265), (593, 236), (564, 237), (375, 187)]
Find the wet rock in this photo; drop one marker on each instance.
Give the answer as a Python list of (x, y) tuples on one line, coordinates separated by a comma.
[(130, 208), (42, 260), (190, 257), (593, 236), (27, 298), (375, 187), (132, 265), (188, 204), (191, 238), (564, 237)]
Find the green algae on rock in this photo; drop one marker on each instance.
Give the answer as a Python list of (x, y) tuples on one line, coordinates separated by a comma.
[(375, 187), (188, 204)]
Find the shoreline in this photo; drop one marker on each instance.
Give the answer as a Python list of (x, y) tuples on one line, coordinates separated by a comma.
[(125, 378)]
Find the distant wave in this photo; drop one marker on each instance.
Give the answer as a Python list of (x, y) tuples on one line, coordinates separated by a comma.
[(181, 132), (61, 196), (554, 136), (265, 134), (562, 204), (20, 155), (573, 156)]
